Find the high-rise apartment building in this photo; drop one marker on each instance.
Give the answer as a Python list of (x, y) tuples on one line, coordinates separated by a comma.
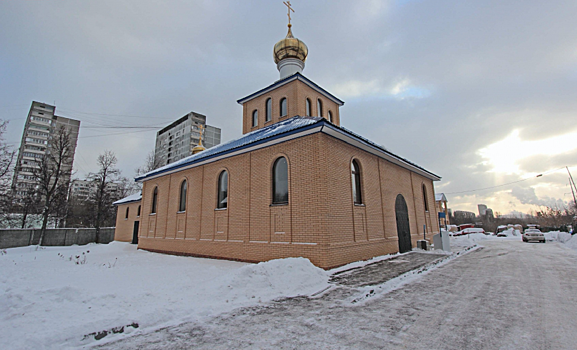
[(41, 126), (482, 209), (177, 140), (82, 190)]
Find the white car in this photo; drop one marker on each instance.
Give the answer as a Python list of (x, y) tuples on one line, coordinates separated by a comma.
[(533, 234), (469, 230)]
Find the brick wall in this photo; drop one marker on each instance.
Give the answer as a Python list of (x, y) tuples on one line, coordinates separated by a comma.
[(124, 225), (296, 93), (320, 222)]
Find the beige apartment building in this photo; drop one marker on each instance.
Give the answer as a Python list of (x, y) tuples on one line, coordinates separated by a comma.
[(41, 125), (296, 184)]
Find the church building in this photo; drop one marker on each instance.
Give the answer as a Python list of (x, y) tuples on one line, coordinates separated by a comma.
[(296, 184)]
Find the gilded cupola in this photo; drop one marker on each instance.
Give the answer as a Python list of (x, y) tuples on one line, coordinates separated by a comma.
[(290, 54)]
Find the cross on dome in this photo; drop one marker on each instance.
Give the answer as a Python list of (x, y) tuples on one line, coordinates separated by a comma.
[(290, 53)]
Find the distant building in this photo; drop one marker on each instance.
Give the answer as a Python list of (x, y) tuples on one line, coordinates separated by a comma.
[(41, 125), (489, 214), (177, 140), (462, 216), (482, 209), (81, 190)]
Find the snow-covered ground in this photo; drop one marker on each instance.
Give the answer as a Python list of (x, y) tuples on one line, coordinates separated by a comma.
[(51, 297), (508, 295)]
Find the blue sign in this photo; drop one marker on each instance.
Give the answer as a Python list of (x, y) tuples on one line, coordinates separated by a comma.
[(441, 215)]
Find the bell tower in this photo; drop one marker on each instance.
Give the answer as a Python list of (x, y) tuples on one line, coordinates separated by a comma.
[(293, 94)]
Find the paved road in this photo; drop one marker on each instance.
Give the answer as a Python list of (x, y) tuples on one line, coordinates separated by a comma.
[(508, 295)]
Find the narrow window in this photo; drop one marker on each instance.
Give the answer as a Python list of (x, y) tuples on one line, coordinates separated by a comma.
[(356, 178), (138, 212), (425, 198), (268, 109), (280, 181), (182, 203), (222, 190), (126, 217), (330, 117), (308, 110), (254, 118), (154, 199), (283, 111), (319, 108)]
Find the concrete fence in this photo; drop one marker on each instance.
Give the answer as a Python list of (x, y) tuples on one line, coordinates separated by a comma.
[(11, 238)]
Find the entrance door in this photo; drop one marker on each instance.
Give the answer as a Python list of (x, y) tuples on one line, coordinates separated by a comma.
[(403, 230), (135, 232)]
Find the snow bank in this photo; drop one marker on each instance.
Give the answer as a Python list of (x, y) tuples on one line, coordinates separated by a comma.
[(283, 277), (459, 242), (572, 243), (511, 233), (52, 297), (468, 240), (557, 236)]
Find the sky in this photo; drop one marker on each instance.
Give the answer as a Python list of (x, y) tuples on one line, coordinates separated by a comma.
[(481, 93)]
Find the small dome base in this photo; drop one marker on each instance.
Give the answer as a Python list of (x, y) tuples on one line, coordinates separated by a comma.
[(290, 66)]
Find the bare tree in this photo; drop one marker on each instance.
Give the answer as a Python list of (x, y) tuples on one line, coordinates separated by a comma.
[(7, 154), (103, 198), (126, 187), (52, 175), (27, 204), (149, 165)]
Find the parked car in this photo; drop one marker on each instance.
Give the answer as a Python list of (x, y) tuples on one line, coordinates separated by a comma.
[(470, 230), (533, 234)]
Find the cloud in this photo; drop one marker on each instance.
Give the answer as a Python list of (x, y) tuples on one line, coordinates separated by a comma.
[(434, 82), (526, 195), (504, 155), (401, 89)]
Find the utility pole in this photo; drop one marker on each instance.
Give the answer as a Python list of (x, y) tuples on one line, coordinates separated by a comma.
[(572, 185)]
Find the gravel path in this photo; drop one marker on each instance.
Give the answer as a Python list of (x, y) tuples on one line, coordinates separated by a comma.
[(509, 295)]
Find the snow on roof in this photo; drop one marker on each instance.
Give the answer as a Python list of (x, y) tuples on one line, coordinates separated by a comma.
[(440, 197), (252, 137), (132, 198), (279, 132)]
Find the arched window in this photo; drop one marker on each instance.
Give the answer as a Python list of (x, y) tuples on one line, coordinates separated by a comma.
[(154, 200), (283, 107), (280, 193), (268, 109), (138, 211), (254, 118), (182, 202), (319, 108), (425, 198), (356, 179), (330, 115), (126, 217), (222, 190), (308, 110)]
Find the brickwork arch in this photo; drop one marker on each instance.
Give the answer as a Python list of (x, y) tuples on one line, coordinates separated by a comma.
[(272, 164), (357, 180), (221, 172)]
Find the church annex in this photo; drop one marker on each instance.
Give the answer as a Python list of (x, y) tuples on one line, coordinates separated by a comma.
[(297, 184)]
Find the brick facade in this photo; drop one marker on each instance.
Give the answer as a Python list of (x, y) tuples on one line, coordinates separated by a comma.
[(320, 221), (125, 225), (296, 92)]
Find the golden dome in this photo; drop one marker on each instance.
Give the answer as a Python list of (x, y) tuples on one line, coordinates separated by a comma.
[(290, 47), (198, 149)]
